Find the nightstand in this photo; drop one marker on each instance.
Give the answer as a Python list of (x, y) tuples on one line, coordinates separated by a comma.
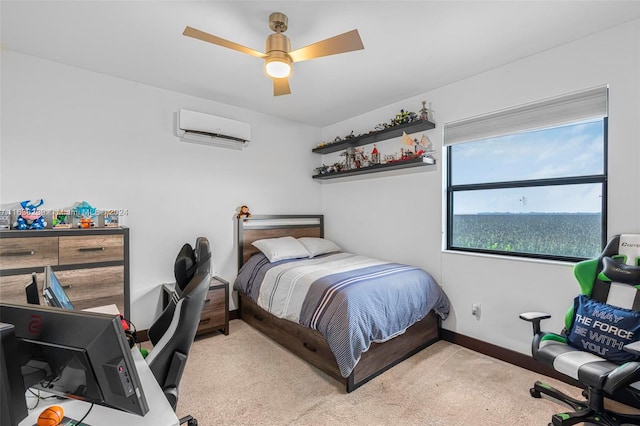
[(215, 313)]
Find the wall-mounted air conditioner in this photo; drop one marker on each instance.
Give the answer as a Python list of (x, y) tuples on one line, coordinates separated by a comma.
[(205, 129)]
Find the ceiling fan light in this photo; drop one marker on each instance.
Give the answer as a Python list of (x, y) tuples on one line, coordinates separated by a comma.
[(278, 68)]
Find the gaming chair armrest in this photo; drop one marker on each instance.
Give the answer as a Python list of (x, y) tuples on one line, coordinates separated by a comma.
[(627, 373), (634, 348), (535, 318)]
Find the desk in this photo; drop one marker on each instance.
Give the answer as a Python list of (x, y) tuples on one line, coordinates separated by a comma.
[(160, 412)]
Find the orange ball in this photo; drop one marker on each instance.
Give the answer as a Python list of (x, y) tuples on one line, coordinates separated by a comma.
[(51, 416)]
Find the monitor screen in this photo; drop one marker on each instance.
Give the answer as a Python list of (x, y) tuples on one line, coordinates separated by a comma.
[(76, 354), (53, 292)]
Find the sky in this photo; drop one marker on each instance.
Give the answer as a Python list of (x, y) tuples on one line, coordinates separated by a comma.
[(567, 151)]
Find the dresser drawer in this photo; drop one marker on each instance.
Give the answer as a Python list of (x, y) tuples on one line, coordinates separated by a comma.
[(91, 248), (92, 287), (214, 311), (12, 287), (16, 253)]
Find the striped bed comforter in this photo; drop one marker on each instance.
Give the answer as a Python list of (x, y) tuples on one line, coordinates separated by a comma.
[(352, 300)]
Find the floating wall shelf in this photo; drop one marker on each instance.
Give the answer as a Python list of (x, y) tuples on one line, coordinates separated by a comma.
[(397, 165), (377, 136)]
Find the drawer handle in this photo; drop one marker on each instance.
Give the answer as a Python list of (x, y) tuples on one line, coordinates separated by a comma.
[(205, 321), (66, 287), (91, 249), (258, 317), (19, 253), (207, 301), (308, 346)]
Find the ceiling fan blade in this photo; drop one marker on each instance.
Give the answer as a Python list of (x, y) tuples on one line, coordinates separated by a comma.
[(346, 42), (209, 38), (281, 86)]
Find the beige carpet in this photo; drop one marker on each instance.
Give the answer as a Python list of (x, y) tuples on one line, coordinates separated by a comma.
[(247, 379)]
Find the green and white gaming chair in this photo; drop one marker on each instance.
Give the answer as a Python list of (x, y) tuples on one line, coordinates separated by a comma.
[(600, 345)]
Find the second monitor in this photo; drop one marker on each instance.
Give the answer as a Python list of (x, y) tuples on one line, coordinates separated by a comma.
[(53, 292)]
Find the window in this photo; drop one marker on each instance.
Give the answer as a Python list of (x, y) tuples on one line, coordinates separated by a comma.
[(533, 183)]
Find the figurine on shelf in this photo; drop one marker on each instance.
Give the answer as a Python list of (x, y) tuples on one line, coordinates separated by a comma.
[(406, 140), (86, 213), (349, 158), (322, 170), (243, 213), (61, 219), (404, 117), (361, 159), (427, 144), (424, 112), (375, 155), (30, 216)]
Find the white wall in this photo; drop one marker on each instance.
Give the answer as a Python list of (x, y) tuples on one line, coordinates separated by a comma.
[(70, 135), (400, 217)]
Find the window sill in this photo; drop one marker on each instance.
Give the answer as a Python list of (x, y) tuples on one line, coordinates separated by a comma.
[(510, 258)]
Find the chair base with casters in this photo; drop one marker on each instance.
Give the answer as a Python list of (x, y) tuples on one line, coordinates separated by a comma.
[(590, 410), (599, 345)]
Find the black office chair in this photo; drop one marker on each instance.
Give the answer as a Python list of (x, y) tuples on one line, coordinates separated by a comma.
[(599, 346), (174, 330)]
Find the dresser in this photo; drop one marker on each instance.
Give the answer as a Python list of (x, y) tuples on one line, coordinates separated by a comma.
[(91, 264)]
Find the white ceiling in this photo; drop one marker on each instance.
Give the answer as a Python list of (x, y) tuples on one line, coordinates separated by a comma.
[(411, 47)]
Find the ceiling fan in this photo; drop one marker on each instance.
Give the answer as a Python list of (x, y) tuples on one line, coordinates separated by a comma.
[(279, 56)]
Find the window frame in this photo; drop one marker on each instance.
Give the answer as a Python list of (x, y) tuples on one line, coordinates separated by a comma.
[(587, 179)]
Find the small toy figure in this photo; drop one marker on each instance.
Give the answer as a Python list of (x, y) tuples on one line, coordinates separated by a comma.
[(404, 117), (375, 155), (86, 213), (244, 213), (424, 112), (361, 159), (30, 217), (61, 218)]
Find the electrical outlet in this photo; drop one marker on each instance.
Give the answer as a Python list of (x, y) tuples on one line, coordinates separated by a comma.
[(475, 310)]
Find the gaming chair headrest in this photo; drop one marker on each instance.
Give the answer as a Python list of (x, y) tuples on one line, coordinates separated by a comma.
[(203, 254), (619, 272), (624, 248), (189, 261), (184, 266)]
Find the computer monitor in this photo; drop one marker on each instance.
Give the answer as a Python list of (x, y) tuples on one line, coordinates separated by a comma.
[(53, 292), (13, 406), (77, 354), (31, 291)]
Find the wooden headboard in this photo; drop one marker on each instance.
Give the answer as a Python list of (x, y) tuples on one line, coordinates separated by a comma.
[(273, 226)]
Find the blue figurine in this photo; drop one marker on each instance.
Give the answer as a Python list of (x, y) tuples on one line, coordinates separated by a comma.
[(30, 216), (86, 213)]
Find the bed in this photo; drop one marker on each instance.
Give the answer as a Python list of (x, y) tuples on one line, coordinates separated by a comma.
[(308, 324)]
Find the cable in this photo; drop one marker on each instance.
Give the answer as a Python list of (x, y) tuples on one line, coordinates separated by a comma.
[(131, 332), (39, 398), (85, 416)]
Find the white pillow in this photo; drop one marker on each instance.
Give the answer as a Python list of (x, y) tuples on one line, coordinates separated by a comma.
[(281, 248), (317, 246)]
